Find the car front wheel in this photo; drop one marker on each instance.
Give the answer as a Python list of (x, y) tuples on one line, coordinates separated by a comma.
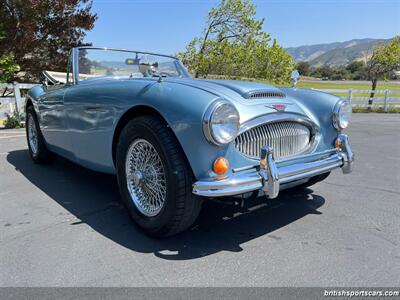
[(154, 178), (36, 144)]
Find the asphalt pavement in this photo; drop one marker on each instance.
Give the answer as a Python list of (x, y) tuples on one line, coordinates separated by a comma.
[(63, 225)]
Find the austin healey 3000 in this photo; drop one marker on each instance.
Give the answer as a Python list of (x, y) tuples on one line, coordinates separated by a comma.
[(174, 141)]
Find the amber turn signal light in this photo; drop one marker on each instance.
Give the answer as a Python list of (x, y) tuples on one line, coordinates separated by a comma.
[(337, 143), (221, 165)]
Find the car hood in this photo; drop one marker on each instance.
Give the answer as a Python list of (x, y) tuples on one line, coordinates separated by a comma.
[(244, 88), (230, 88), (269, 99)]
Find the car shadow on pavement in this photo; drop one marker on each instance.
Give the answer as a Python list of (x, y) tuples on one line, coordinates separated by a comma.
[(93, 199)]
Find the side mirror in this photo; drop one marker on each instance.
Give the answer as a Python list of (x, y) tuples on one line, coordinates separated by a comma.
[(295, 77)]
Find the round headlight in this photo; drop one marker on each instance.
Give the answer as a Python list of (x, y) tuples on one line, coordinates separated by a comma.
[(342, 114), (221, 122)]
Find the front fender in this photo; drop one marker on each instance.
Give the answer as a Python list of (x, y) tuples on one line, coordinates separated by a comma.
[(33, 95), (183, 108)]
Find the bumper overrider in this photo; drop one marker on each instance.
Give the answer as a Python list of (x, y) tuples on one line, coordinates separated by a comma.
[(269, 177)]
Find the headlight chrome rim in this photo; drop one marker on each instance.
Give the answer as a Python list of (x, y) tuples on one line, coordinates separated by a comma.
[(337, 122), (207, 121)]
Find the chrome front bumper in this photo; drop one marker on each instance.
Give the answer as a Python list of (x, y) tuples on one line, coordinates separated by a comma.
[(270, 178)]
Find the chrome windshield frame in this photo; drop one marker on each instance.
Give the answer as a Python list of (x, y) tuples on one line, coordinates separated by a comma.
[(75, 65)]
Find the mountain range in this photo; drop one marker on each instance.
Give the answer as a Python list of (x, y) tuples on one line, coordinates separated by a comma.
[(335, 54)]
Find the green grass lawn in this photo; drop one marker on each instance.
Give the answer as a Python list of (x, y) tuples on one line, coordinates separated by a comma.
[(392, 87), (355, 86), (339, 85)]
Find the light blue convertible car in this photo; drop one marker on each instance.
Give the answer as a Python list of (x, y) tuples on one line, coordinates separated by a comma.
[(173, 141)]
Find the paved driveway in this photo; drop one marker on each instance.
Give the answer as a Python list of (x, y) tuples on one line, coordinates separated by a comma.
[(62, 225)]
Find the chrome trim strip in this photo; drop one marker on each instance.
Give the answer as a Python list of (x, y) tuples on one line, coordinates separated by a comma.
[(75, 70), (264, 94), (335, 116), (125, 50), (290, 173), (234, 185), (244, 168), (280, 116), (304, 156), (284, 160), (208, 113)]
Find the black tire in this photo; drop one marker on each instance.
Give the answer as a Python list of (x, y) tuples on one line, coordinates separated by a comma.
[(42, 155), (181, 207), (313, 180)]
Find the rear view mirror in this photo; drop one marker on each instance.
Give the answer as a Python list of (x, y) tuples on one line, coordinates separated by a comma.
[(132, 61)]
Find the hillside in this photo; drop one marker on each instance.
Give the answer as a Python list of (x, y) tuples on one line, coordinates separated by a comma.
[(335, 54)]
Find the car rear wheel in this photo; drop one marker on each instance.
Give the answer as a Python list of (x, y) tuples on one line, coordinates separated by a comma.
[(154, 178), (36, 144)]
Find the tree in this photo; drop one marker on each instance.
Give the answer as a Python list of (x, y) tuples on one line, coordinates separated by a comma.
[(357, 71), (8, 67), (355, 66), (39, 34), (384, 60), (304, 68), (324, 71), (234, 45), (272, 63), (231, 19)]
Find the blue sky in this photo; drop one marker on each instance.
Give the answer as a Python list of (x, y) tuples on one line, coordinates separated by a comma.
[(166, 26)]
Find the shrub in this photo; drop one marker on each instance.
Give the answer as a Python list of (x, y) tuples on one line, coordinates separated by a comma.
[(13, 121)]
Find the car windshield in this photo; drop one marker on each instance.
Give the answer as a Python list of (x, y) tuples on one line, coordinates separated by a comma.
[(104, 62)]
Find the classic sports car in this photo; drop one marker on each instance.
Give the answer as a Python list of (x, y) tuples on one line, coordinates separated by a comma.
[(173, 141)]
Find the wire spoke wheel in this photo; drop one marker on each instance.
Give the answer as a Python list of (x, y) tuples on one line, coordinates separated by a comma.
[(32, 134), (154, 177), (145, 177)]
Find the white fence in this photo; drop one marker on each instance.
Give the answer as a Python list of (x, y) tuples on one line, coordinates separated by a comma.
[(382, 98), (11, 98)]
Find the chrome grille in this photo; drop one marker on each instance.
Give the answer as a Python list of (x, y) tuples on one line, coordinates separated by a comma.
[(286, 138), (265, 94)]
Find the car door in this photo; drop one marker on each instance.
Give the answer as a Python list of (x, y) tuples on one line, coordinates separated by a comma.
[(88, 117), (90, 126)]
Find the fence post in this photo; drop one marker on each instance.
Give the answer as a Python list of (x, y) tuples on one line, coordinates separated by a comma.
[(11, 107), (17, 95), (350, 94), (385, 108)]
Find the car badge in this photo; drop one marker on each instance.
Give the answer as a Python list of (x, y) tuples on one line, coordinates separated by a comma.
[(279, 107)]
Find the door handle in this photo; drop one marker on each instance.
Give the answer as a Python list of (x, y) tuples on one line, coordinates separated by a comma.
[(95, 109)]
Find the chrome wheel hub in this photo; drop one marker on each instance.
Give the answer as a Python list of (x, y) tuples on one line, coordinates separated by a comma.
[(137, 177), (32, 134), (145, 177)]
